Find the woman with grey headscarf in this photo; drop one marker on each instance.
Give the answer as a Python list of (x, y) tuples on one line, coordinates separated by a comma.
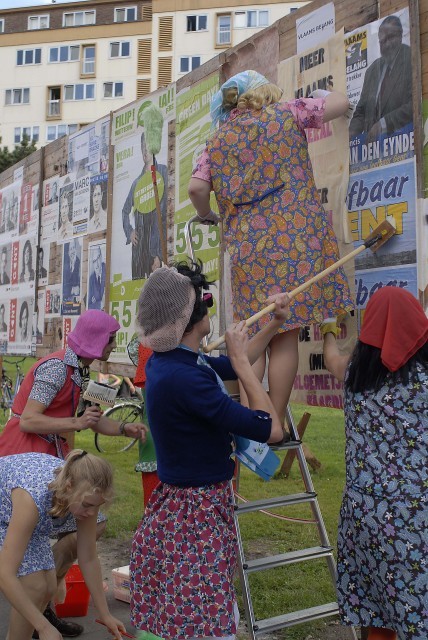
[(184, 550)]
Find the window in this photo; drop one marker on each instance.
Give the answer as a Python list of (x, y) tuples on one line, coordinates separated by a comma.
[(79, 92), (188, 63), (54, 102), (224, 31), (64, 54), (55, 131), (28, 56), (32, 134), (88, 60), (113, 89), (125, 14), (196, 23), (17, 96), (120, 49), (248, 19), (1, 25), (78, 18), (38, 22)]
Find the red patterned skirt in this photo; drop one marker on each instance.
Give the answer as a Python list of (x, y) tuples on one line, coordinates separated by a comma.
[(183, 562)]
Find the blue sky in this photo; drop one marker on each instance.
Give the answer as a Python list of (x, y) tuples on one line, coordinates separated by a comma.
[(12, 4)]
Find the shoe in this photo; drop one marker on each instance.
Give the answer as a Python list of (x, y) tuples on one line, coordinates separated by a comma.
[(67, 629)]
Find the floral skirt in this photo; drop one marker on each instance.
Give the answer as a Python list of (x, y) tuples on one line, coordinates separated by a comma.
[(183, 562)]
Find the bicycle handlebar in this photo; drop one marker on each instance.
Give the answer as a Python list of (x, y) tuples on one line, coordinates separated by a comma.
[(17, 362)]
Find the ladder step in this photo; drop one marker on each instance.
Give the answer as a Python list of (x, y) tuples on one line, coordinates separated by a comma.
[(279, 501), (296, 617), (270, 562), (291, 444)]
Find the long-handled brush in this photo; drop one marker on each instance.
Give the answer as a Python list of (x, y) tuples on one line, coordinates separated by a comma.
[(374, 241), (153, 124)]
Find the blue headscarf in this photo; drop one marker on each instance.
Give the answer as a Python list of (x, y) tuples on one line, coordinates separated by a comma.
[(244, 81)]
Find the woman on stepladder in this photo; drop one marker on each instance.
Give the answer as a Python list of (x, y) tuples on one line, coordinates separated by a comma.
[(274, 226), (383, 539)]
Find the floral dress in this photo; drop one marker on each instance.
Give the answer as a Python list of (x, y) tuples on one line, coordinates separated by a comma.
[(383, 541), (274, 226)]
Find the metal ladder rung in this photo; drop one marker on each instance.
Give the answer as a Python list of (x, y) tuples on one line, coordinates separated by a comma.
[(291, 444), (263, 564), (278, 501), (296, 617)]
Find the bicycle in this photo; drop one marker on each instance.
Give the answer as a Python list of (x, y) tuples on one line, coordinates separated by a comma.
[(123, 411), (8, 391)]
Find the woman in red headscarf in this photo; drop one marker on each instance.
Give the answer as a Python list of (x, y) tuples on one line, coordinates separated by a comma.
[(382, 540)]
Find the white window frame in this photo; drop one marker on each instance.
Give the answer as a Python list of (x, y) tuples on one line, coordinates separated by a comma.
[(246, 14), (85, 86), (114, 90), (88, 66), (190, 60), (84, 15), (218, 41), (67, 129), (2, 25), (13, 93), (197, 16), (120, 43), (33, 135), (36, 20), (125, 10), (70, 48), (24, 52)]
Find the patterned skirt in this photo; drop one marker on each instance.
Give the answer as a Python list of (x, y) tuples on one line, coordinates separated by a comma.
[(382, 568), (183, 561)]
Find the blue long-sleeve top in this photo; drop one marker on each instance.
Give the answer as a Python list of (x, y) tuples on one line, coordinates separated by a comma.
[(192, 419)]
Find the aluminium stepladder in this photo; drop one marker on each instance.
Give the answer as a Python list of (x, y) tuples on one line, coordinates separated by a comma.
[(257, 628)]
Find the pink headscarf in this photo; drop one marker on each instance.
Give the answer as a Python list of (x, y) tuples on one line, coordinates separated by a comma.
[(92, 333), (394, 322)]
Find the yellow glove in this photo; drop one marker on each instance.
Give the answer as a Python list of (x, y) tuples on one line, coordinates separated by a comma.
[(329, 325)]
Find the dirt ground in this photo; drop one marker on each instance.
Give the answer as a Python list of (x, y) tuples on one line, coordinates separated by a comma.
[(115, 553)]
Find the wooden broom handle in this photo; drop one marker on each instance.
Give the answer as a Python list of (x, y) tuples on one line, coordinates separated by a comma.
[(292, 294)]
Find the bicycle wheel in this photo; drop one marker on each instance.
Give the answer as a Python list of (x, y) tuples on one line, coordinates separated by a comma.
[(123, 412)]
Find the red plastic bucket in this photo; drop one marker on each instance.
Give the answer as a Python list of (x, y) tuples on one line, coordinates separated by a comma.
[(76, 602)]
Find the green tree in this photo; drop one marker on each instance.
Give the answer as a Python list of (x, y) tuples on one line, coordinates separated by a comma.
[(22, 150)]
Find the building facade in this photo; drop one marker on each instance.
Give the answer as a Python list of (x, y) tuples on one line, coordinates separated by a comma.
[(66, 65)]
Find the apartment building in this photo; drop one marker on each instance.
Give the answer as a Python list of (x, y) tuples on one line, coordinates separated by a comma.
[(69, 64)]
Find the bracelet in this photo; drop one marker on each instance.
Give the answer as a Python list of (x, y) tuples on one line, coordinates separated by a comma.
[(122, 426)]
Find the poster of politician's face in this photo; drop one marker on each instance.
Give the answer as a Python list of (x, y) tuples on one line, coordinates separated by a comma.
[(96, 275), (5, 265), (72, 277), (379, 85)]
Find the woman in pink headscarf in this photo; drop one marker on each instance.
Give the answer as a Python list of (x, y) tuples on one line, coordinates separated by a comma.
[(382, 576)]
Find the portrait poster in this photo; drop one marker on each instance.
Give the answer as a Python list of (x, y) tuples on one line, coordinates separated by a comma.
[(66, 207), (193, 127), (10, 205), (5, 268), (51, 192), (379, 86), (28, 216), (43, 256), (4, 318), (96, 282), (137, 248), (72, 277), (53, 301), (98, 204), (27, 263), (20, 325)]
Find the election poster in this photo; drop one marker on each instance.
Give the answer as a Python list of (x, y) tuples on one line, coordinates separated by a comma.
[(193, 128), (379, 86), (137, 247)]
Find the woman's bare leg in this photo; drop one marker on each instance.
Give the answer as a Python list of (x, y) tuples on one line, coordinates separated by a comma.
[(259, 368), (40, 588), (283, 363)]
